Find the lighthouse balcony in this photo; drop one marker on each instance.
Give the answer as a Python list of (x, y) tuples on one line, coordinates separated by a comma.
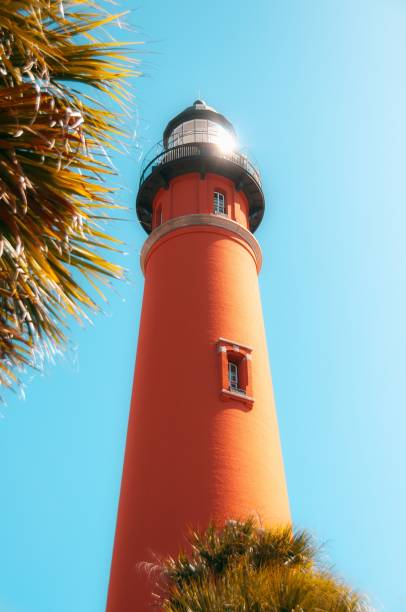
[(201, 157), (201, 150)]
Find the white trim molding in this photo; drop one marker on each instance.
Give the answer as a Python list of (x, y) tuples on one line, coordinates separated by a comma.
[(210, 220), (236, 344)]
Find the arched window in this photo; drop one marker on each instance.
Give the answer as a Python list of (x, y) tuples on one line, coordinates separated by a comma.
[(219, 203)]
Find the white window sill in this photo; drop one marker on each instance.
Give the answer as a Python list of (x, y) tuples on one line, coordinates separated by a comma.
[(242, 397)]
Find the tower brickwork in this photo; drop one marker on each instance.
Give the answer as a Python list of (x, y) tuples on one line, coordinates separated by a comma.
[(202, 441)]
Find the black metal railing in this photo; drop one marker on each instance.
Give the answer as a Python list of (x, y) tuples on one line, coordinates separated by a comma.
[(197, 149)]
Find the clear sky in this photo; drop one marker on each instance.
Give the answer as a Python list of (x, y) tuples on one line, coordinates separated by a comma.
[(317, 92)]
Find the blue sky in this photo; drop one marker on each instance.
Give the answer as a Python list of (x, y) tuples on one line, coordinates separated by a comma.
[(317, 92)]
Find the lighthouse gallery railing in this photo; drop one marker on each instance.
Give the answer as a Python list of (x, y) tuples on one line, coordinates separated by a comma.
[(196, 150)]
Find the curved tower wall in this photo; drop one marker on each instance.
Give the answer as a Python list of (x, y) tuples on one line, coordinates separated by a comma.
[(195, 451), (189, 194)]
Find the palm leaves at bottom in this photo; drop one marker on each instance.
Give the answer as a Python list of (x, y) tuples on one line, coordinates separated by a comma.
[(243, 567)]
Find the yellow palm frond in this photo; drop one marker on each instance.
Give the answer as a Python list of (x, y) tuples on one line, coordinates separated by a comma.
[(53, 193), (243, 566)]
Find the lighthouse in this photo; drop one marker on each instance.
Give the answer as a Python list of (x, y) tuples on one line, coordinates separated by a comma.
[(202, 441)]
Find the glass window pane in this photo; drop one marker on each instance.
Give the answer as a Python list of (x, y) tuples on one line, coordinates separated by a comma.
[(201, 130), (233, 375), (188, 126), (201, 125), (219, 201)]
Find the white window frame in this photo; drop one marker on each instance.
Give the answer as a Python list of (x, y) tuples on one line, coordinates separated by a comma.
[(233, 375), (219, 203)]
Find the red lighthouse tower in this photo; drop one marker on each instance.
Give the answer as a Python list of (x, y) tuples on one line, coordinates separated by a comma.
[(202, 439)]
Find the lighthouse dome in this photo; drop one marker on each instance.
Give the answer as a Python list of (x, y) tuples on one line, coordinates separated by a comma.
[(200, 123)]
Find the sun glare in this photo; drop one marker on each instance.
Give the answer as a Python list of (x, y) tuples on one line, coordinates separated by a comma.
[(226, 142)]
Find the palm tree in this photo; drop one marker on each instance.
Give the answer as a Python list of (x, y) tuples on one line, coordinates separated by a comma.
[(243, 566), (53, 165)]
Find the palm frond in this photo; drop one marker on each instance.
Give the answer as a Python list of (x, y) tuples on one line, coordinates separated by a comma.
[(53, 169), (243, 566)]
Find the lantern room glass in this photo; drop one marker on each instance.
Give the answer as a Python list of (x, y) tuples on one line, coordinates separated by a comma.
[(201, 130)]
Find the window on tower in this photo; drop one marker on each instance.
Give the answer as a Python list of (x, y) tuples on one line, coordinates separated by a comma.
[(158, 215), (219, 203), (233, 375), (235, 371)]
